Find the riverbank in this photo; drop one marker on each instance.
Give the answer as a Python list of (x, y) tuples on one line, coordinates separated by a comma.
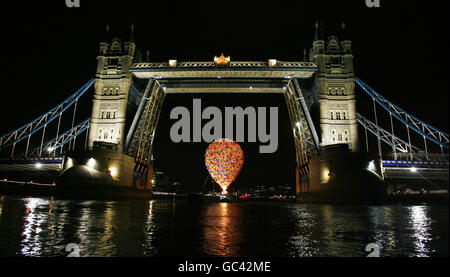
[(14, 188)]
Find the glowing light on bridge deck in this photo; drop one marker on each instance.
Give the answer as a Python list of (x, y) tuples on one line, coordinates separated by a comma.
[(222, 60), (413, 169), (172, 63), (38, 165), (91, 163), (50, 149)]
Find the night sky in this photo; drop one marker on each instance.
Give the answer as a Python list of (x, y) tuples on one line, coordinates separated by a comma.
[(49, 51)]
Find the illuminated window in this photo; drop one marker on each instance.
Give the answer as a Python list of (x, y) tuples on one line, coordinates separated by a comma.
[(340, 137)]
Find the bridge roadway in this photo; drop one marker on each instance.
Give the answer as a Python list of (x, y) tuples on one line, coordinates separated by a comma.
[(395, 171), (47, 164), (417, 175)]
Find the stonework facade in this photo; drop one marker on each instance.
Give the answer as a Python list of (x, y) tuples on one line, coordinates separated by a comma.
[(335, 85), (112, 84)]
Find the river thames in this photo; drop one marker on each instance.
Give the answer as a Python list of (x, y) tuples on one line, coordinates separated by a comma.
[(167, 228)]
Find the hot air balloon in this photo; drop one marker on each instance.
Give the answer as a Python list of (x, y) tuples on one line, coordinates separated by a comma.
[(224, 159)]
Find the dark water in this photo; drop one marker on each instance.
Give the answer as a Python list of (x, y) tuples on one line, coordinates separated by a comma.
[(43, 227)]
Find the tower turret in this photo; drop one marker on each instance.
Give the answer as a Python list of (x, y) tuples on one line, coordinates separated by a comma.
[(346, 44), (335, 86), (318, 43), (112, 84)]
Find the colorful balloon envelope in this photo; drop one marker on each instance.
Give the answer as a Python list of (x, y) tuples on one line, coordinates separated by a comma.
[(224, 159)]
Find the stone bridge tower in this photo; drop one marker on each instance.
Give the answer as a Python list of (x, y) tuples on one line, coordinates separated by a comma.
[(335, 86), (112, 84)]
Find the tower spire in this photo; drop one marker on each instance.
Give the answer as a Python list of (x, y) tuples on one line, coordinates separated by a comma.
[(316, 33), (107, 32), (132, 33), (344, 33)]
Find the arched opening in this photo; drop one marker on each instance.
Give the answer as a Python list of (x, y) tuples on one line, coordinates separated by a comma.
[(186, 162)]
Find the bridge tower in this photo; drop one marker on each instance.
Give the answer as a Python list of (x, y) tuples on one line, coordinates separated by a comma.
[(112, 84), (335, 86)]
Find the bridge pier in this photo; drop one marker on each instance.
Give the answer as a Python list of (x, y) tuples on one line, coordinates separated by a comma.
[(143, 176), (102, 173), (302, 179), (341, 177)]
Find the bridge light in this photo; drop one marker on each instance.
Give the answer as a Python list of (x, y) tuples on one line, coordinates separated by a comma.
[(413, 169), (371, 166), (326, 175), (50, 149), (272, 62), (113, 171), (69, 162), (91, 163), (37, 165), (298, 125), (172, 63)]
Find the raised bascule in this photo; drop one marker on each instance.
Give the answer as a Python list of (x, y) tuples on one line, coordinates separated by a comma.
[(320, 95)]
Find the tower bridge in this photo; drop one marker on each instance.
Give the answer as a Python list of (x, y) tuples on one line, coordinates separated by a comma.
[(114, 146)]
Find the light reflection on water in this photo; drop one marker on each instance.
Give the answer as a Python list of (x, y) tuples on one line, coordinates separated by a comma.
[(420, 224), (44, 226), (222, 230)]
